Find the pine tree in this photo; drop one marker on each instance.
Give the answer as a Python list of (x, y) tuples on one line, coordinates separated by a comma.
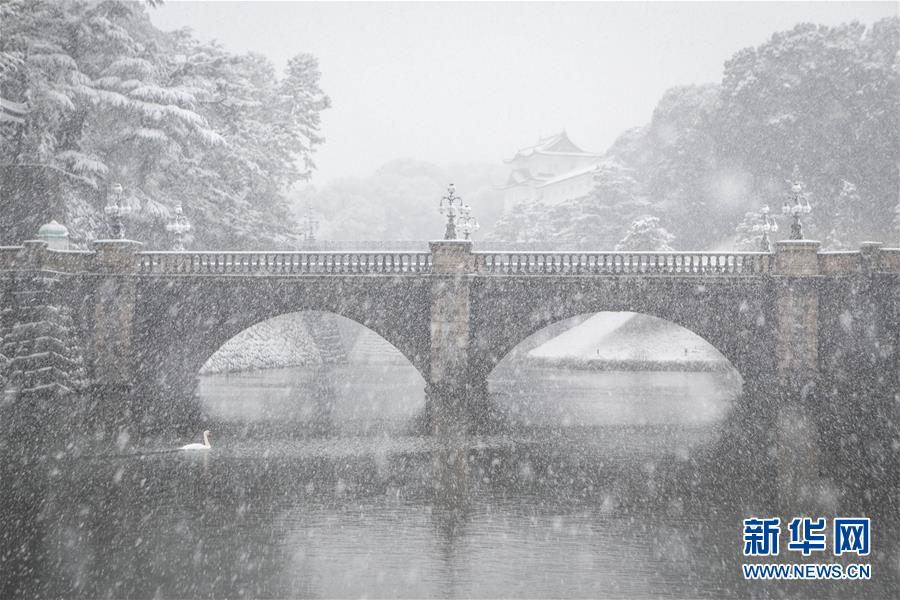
[(600, 218), (748, 237), (526, 223), (110, 98), (847, 220), (646, 233)]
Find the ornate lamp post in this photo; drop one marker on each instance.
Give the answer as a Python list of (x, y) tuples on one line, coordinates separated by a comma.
[(799, 207), (115, 211), (179, 225), (468, 223), (450, 206), (768, 224)]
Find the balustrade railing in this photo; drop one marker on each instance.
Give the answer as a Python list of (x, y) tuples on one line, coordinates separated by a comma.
[(499, 263), (623, 263), (282, 263)]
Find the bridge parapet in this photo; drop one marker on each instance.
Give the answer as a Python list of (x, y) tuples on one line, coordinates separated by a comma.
[(122, 256), (870, 257), (624, 263), (34, 255), (890, 260), (282, 263), (839, 262)]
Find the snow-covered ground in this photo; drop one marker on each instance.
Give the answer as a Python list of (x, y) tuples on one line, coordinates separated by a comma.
[(629, 340), (287, 341), (279, 342)]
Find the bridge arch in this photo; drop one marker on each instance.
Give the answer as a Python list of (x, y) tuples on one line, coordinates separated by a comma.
[(180, 322), (319, 335), (735, 319), (554, 377), (560, 339)]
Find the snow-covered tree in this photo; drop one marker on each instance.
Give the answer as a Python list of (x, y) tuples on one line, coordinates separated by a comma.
[(646, 233), (827, 98), (110, 98), (846, 231), (527, 222), (304, 102), (747, 234), (601, 217), (823, 97)]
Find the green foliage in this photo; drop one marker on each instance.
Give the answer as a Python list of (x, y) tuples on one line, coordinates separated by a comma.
[(111, 98)]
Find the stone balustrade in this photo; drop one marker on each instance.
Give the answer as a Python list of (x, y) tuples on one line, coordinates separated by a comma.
[(827, 263), (624, 263), (282, 263)]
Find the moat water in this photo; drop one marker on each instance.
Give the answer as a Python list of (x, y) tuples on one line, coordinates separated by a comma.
[(624, 485)]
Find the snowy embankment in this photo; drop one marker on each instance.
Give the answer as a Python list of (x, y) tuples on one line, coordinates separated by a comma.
[(295, 340), (280, 342), (629, 342)]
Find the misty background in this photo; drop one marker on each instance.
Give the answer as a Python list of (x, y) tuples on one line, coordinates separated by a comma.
[(347, 121)]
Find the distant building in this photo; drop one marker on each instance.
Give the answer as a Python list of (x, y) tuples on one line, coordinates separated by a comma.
[(551, 171)]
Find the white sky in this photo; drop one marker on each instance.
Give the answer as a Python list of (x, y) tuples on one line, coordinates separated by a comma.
[(467, 82)]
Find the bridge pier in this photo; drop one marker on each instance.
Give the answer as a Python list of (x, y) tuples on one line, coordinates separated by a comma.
[(452, 390), (796, 374), (109, 351)]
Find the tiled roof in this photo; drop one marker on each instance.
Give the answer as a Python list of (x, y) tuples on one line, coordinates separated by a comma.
[(553, 144)]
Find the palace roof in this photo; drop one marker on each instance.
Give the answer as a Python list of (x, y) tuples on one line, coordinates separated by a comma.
[(558, 144)]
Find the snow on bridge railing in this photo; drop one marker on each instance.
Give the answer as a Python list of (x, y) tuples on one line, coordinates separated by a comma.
[(282, 263), (624, 263)]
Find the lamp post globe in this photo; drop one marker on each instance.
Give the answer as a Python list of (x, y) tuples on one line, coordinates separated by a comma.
[(798, 205), (450, 206)]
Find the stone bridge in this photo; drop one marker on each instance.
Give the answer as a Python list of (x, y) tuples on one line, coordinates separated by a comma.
[(799, 325)]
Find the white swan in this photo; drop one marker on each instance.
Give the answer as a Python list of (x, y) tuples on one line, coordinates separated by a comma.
[(204, 446)]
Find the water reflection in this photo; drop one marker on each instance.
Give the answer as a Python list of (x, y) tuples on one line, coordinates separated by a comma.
[(302, 402), (327, 504)]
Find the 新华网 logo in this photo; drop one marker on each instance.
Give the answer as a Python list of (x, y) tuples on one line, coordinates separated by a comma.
[(807, 536)]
